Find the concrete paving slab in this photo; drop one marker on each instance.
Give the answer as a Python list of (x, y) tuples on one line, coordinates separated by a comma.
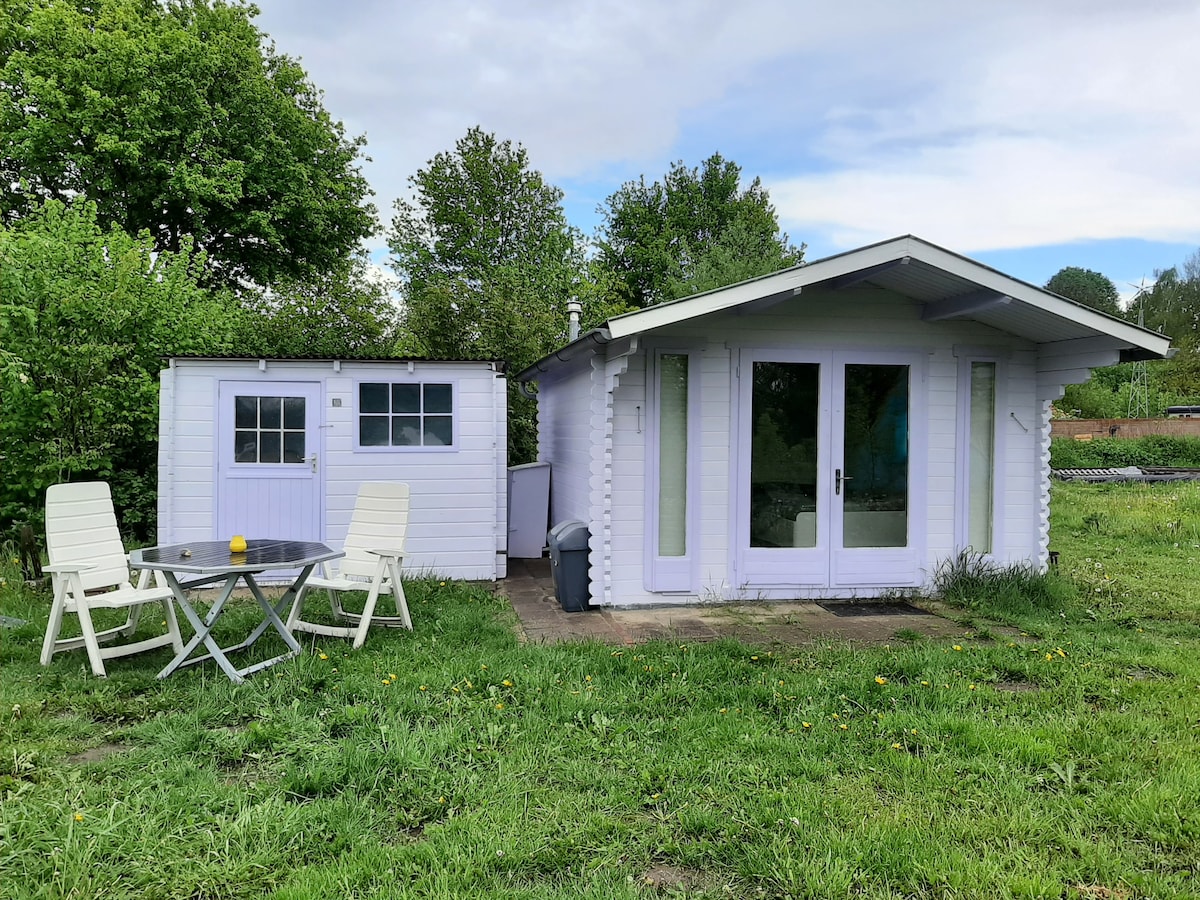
[(529, 588)]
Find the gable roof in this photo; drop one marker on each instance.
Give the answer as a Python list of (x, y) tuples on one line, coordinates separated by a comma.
[(950, 286)]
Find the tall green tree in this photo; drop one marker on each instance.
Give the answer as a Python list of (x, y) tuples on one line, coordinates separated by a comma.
[(178, 117), (87, 315), (696, 230), (1086, 287), (347, 313), (487, 263)]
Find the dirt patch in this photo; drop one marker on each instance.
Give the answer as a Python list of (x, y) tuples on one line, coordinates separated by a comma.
[(667, 878), (96, 754), (1016, 687)]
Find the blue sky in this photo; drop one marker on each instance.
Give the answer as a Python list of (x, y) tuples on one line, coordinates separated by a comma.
[(1029, 134)]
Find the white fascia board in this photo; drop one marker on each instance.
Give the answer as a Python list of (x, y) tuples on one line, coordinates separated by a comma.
[(983, 276), (769, 285)]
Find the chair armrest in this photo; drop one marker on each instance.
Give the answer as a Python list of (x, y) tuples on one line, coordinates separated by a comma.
[(388, 554), (67, 568)]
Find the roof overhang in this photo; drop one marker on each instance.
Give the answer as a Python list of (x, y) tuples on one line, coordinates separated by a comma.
[(949, 286)]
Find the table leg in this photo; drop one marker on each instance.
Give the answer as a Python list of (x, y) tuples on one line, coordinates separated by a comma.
[(203, 628)]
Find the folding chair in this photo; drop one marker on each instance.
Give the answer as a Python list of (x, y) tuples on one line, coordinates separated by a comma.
[(89, 570), (374, 550)]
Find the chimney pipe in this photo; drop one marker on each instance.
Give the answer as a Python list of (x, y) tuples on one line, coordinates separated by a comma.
[(574, 308)]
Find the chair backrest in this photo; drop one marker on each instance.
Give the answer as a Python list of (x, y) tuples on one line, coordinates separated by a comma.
[(379, 522), (81, 526)]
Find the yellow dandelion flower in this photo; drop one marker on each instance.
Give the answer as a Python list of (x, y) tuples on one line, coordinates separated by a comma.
[(879, 679), (385, 681), (507, 683), (441, 799), (806, 724), (392, 675), (723, 710), (970, 687), (1049, 656), (499, 706), (895, 746), (755, 658), (78, 817), (424, 688), (441, 584), (1061, 652), (925, 683), (324, 656), (958, 648), (914, 731), (836, 716), (588, 678), (843, 726)]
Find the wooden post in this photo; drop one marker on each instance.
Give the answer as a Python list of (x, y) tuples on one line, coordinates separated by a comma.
[(31, 554)]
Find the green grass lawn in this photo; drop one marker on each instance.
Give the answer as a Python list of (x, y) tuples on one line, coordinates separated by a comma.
[(1057, 759)]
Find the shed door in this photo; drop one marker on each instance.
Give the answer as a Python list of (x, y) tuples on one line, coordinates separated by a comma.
[(825, 495), (269, 460)]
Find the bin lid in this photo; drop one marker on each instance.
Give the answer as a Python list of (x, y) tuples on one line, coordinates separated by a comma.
[(556, 534), (532, 465), (573, 537)]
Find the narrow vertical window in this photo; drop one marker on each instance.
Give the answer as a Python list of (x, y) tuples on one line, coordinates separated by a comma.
[(672, 454), (981, 463)]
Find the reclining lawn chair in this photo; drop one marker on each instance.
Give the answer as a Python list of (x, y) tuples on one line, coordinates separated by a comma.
[(90, 570), (374, 549)]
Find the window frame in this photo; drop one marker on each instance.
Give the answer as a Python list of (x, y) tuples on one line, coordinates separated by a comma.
[(967, 358), (672, 574), (420, 383)]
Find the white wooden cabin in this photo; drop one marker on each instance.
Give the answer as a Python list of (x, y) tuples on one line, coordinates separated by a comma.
[(835, 430), (277, 449)]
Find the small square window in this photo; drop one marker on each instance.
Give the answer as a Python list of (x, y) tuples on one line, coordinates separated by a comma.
[(405, 414)]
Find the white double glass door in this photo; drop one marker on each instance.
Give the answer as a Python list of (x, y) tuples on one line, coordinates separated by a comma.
[(824, 472)]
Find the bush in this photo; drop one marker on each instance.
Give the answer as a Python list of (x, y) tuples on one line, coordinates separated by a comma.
[(1155, 450)]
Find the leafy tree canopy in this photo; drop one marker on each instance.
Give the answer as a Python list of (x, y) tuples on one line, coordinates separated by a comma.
[(88, 314), (1086, 287), (178, 117), (344, 314), (487, 263), (695, 230)]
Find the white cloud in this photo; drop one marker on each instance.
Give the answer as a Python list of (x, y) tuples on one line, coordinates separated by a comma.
[(980, 126)]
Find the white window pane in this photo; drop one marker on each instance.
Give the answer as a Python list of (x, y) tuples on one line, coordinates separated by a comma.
[(982, 457), (672, 454)]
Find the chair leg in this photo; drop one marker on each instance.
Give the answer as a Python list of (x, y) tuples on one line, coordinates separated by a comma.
[(131, 621), (90, 641), (172, 625), (398, 594), (54, 626), (294, 614), (360, 634)]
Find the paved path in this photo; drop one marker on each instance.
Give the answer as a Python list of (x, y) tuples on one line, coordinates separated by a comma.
[(530, 590)]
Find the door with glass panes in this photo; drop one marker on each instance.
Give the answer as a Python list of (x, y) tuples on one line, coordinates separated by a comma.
[(269, 460), (825, 495)]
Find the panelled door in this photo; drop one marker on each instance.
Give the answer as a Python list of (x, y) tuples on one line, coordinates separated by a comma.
[(825, 493), (269, 460)]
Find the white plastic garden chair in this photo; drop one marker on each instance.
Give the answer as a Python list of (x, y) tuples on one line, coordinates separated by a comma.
[(374, 550), (89, 570)]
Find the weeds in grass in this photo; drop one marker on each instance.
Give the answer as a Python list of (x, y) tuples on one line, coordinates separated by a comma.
[(1011, 592)]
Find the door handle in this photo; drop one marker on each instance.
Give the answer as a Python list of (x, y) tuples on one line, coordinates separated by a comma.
[(312, 460), (838, 478)]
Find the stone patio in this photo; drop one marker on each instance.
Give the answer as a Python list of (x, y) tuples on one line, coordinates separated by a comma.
[(530, 590)]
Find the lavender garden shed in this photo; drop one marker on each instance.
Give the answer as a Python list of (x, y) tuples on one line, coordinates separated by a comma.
[(837, 429), (276, 448)]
